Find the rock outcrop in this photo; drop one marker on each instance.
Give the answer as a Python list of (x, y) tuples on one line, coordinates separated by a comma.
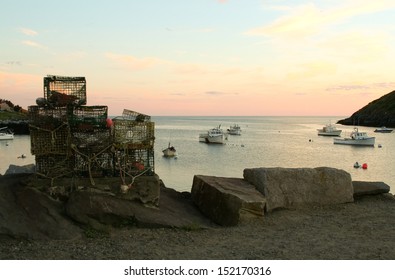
[(16, 169), (369, 188), (30, 214), (301, 187), (227, 201), (28, 211)]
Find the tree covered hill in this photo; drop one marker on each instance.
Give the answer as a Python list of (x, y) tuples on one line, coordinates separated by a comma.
[(380, 112)]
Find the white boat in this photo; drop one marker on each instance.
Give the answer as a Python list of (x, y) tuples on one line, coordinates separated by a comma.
[(329, 130), (234, 130), (170, 151), (383, 129), (6, 134), (214, 135), (356, 138)]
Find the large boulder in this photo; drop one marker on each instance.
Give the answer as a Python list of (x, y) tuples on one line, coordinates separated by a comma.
[(102, 210), (28, 213), (301, 187), (369, 188), (227, 201), (24, 169)]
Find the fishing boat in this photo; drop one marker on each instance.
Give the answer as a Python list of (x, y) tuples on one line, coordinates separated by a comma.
[(356, 138), (383, 129), (234, 130), (214, 135), (6, 134), (170, 151), (329, 130)]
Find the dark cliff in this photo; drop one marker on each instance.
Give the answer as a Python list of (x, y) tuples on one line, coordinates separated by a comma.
[(380, 112)]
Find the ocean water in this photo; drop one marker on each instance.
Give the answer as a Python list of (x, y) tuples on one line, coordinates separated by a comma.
[(265, 142)]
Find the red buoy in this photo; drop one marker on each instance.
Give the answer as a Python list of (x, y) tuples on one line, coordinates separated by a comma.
[(109, 123), (365, 166)]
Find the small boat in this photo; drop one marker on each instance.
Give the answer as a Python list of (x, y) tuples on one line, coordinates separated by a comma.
[(6, 134), (356, 138), (214, 135), (170, 151), (234, 130), (329, 130), (383, 129)]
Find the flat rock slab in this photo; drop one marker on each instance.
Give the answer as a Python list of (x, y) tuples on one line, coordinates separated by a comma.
[(369, 188), (301, 187), (227, 201)]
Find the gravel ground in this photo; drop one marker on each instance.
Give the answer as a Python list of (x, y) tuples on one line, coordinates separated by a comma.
[(360, 230)]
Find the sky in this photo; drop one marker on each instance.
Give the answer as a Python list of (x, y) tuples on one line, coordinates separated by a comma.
[(203, 57)]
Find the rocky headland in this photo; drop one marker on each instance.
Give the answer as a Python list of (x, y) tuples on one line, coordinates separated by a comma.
[(378, 113)]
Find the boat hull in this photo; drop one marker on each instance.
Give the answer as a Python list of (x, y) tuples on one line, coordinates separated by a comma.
[(383, 130), (169, 153), (6, 136), (355, 142), (329, 133), (217, 139)]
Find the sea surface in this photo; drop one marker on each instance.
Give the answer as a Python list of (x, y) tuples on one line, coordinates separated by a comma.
[(264, 142)]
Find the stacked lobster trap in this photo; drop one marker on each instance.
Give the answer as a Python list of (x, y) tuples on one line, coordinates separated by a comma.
[(71, 139)]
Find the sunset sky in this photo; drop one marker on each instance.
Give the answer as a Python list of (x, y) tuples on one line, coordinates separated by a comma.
[(203, 57)]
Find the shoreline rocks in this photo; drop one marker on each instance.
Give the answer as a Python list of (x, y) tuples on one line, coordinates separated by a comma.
[(28, 211), (227, 201), (301, 187)]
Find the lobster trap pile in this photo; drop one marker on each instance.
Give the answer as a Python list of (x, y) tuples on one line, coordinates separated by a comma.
[(69, 138)]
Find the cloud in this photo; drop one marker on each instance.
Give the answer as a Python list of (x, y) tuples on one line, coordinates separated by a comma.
[(28, 32), (134, 63), (33, 44), (13, 62), (306, 20), (308, 70), (358, 46), (217, 93), (380, 85)]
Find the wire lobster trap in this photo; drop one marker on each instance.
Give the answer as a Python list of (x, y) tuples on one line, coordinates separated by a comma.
[(135, 116), (48, 117), (62, 90), (88, 118), (47, 140), (133, 135), (132, 162), (94, 164), (54, 165)]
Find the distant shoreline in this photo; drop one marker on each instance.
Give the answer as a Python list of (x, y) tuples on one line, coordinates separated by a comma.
[(19, 127)]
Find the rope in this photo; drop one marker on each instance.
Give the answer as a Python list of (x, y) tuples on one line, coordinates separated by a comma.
[(90, 159)]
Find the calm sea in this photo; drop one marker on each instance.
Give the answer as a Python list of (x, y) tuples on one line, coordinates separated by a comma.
[(265, 142)]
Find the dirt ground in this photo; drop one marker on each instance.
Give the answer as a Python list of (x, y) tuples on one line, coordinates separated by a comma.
[(363, 230)]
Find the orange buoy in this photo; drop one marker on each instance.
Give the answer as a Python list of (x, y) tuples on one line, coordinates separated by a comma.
[(365, 166)]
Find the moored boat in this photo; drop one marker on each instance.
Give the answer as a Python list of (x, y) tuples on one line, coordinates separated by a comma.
[(234, 130), (356, 138), (170, 151), (329, 130), (214, 135), (6, 134), (384, 129)]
